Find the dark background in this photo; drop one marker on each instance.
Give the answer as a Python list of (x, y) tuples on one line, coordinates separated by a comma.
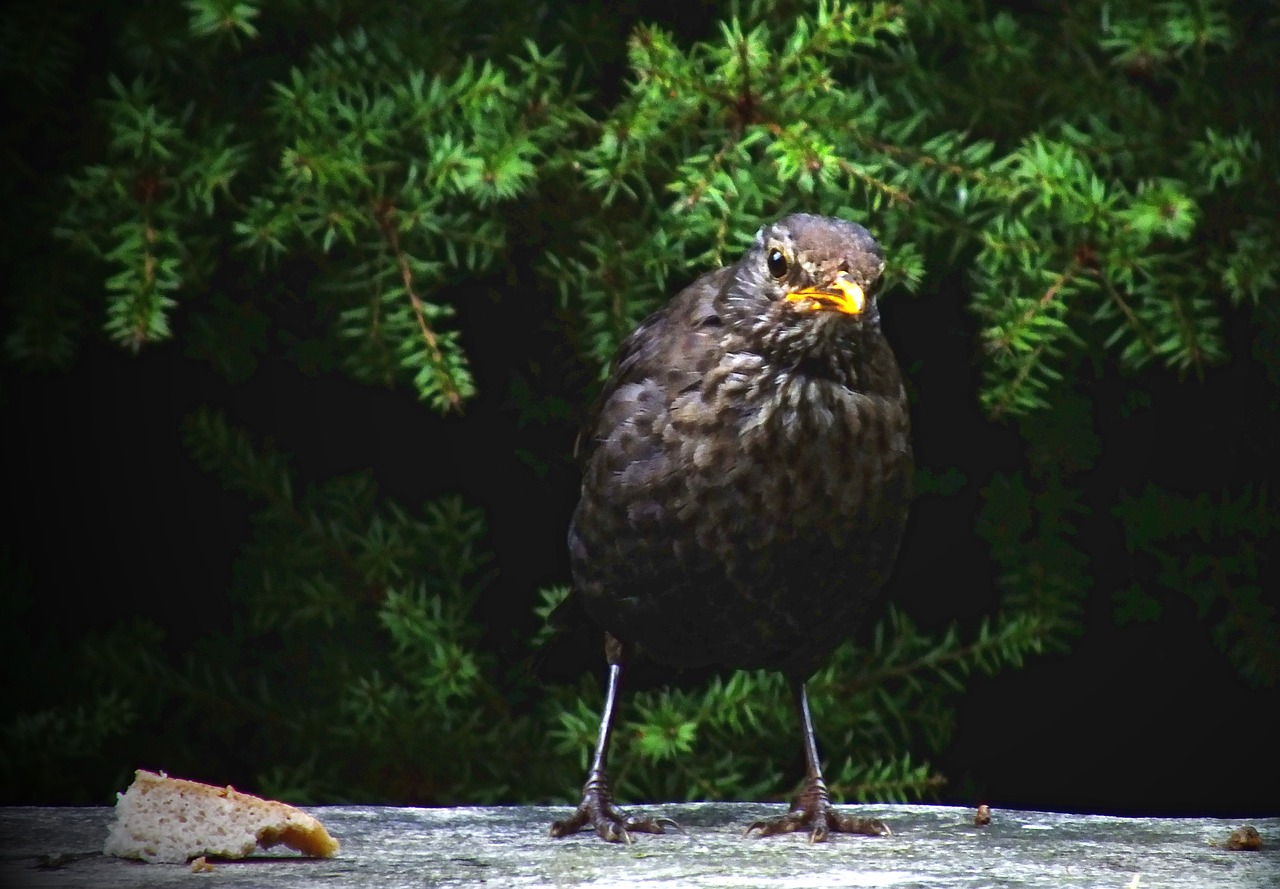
[(109, 517), (113, 519)]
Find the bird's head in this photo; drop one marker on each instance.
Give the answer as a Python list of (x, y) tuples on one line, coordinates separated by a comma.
[(816, 266)]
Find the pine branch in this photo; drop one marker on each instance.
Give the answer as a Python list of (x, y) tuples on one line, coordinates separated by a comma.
[(382, 213)]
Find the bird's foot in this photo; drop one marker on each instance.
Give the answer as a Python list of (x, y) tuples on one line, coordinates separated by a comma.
[(812, 811), (598, 811)]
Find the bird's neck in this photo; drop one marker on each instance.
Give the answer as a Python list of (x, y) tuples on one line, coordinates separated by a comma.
[(832, 348)]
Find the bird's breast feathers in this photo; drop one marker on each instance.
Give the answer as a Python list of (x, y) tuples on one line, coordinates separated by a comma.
[(749, 429)]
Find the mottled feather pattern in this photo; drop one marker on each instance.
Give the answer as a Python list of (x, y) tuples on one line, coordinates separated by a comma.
[(748, 471)]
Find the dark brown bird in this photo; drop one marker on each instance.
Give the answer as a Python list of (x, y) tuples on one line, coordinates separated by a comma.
[(746, 483)]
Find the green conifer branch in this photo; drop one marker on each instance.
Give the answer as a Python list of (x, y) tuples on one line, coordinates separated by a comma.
[(1098, 178), (448, 386)]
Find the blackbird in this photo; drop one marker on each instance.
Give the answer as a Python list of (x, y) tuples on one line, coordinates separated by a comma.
[(745, 486)]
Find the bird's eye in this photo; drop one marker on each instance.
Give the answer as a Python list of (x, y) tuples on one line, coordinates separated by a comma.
[(778, 264)]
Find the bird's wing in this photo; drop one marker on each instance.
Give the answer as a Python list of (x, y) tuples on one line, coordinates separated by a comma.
[(661, 357)]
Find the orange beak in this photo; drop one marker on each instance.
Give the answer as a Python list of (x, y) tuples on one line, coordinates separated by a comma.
[(843, 295)]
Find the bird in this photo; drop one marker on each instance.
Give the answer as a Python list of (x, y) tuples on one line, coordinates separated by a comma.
[(745, 487)]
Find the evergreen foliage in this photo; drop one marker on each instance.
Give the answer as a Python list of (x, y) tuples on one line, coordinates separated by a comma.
[(331, 181)]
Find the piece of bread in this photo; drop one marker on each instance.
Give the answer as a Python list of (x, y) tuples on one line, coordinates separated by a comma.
[(168, 819)]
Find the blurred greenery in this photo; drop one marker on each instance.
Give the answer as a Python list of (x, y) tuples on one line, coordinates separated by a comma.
[(1078, 205)]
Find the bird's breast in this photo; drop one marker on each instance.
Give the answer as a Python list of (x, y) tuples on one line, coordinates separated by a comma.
[(789, 441), (749, 521)]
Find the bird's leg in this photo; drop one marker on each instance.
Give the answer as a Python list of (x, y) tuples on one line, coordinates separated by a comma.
[(597, 809), (812, 808)]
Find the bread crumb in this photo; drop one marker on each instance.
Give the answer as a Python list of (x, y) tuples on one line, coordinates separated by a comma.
[(1245, 839)]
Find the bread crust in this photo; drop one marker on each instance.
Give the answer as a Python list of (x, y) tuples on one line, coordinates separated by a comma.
[(163, 819)]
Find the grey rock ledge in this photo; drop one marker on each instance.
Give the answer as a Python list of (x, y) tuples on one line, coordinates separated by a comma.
[(931, 846)]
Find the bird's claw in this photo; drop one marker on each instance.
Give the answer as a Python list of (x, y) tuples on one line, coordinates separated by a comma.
[(597, 811), (610, 823), (821, 819)]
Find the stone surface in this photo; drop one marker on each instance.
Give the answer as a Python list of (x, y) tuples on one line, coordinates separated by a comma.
[(932, 846)]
